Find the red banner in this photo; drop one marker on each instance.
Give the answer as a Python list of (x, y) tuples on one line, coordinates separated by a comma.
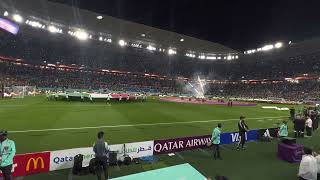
[(27, 164)]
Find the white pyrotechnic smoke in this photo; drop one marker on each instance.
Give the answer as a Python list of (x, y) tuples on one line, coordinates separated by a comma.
[(197, 87)]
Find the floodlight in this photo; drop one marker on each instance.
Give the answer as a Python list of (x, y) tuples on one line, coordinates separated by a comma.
[(211, 57), (237, 57), (278, 45), (290, 42), (122, 42), (138, 46), (267, 48), (202, 57), (229, 57), (171, 51), (100, 38), (109, 40), (151, 48), (17, 18), (190, 55), (52, 29), (181, 39), (81, 35), (99, 17), (5, 14), (143, 35), (219, 57)]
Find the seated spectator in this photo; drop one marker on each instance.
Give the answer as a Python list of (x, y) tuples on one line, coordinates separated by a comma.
[(308, 166)]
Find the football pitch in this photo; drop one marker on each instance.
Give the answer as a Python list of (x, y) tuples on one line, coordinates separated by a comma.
[(37, 124), (40, 125)]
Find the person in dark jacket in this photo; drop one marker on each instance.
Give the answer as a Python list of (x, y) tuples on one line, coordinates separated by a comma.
[(243, 128), (101, 151), (299, 126), (292, 113)]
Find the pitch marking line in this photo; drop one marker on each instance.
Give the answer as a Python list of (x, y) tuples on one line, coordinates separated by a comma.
[(136, 125)]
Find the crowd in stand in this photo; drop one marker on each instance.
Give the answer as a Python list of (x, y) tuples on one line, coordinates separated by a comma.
[(290, 61), (286, 90), (18, 75), (30, 75)]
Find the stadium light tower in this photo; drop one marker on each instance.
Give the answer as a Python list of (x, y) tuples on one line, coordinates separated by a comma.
[(17, 18)]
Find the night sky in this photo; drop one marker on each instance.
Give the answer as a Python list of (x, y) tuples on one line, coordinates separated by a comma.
[(239, 24)]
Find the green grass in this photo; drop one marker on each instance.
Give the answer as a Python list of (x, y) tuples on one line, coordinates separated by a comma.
[(36, 113)]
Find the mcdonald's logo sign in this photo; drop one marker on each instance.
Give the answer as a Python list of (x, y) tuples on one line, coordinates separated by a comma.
[(31, 163), (36, 163)]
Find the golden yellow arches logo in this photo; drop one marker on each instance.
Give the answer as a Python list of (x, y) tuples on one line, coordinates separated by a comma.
[(35, 163)]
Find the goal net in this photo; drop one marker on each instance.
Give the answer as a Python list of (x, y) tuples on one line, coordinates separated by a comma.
[(19, 91)]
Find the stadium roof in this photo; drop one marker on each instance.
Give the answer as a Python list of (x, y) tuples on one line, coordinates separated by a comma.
[(110, 26)]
